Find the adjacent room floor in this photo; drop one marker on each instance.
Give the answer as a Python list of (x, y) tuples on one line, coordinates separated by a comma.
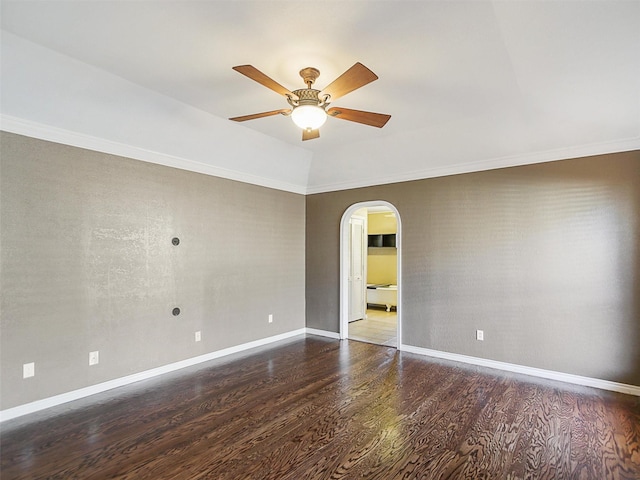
[(379, 327), (316, 408)]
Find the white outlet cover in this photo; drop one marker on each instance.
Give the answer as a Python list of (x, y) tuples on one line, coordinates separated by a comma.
[(28, 370), (94, 358), (198, 336), (270, 318), (480, 335)]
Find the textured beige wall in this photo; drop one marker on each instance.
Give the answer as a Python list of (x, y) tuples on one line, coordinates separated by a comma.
[(87, 264), (544, 258)]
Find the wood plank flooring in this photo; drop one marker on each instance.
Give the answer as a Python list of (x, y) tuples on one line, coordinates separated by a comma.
[(379, 327), (316, 408)]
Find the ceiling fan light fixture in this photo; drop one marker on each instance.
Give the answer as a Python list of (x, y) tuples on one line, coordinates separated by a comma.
[(309, 117)]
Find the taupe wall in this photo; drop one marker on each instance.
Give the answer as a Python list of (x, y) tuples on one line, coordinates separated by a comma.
[(544, 258), (87, 264)]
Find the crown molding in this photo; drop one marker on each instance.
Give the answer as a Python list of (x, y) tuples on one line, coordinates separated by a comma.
[(616, 146), (67, 137)]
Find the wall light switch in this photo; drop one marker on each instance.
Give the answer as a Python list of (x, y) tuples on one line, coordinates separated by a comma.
[(270, 318), (94, 358), (28, 370), (198, 336), (480, 335)]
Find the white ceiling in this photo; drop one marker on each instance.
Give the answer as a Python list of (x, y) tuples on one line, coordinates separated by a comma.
[(469, 85)]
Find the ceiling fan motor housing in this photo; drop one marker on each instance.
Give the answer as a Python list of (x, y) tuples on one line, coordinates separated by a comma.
[(308, 96)]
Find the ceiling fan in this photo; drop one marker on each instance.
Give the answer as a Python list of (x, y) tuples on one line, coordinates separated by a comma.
[(309, 106)]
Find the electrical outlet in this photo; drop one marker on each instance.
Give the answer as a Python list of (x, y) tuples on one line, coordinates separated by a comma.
[(271, 318), (480, 335), (94, 358), (198, 336), (28, 370)]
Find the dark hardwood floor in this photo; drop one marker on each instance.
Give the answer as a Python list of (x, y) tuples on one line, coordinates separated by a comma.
[(316, 408)]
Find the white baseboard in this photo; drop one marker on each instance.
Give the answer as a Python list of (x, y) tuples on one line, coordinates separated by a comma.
[(535, 372), (322, 333), (45, 403), (38, 405)]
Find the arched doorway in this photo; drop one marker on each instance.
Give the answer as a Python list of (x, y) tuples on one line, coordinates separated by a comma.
[(346, 264)]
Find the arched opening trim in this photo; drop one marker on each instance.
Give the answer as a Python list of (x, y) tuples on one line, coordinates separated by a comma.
[(345, 262)]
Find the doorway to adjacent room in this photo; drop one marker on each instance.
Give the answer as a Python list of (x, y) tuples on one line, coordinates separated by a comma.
[(370, 250)]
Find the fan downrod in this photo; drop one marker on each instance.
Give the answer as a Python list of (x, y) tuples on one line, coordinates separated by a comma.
[(309, 75)]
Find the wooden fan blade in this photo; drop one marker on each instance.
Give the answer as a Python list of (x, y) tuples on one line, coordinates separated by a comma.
[(310, 134), (356, 77), (244, 118), (254, 74), (368, 118)]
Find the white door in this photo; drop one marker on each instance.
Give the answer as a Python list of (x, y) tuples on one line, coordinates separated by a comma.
[(357, 252)]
